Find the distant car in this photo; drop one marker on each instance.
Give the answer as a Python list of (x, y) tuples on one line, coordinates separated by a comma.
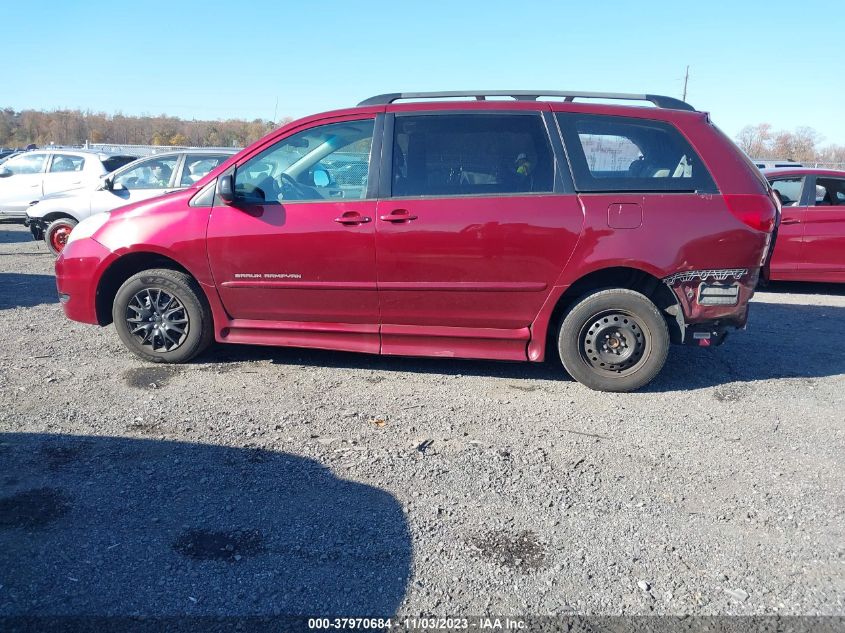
[(53, 217), (810, 245), (775, 164), (5, 156), (31, 175)]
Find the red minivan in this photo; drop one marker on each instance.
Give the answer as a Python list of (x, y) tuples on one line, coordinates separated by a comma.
[(446, 224)]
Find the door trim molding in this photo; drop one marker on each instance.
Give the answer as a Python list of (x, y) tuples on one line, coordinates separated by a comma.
[(302, 285), (465, 286)]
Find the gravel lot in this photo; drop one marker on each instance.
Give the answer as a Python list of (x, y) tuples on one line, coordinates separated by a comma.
[(267, 481)]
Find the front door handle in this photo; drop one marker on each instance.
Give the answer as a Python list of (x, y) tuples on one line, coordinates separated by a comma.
[(352, 218), (790, 221), (397, 216)]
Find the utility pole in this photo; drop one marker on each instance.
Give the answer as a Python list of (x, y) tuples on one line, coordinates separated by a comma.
[(275, 109), (686, 79)]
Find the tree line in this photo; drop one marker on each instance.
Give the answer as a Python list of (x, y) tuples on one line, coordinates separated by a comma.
[(75, 127), (803, 144)]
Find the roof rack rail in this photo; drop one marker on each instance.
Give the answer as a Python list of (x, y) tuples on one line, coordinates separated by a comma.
[(530, 95)]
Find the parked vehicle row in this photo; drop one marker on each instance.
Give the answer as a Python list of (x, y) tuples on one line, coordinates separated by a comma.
[(474, 228), (53, 217), (763, 163), (29, 176)]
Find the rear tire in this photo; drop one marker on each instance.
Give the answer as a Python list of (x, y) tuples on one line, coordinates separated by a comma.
[(162, 316), (57, 233), (613, 340)]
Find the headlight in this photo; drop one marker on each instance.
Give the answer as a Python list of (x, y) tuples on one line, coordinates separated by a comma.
[(87, 227)]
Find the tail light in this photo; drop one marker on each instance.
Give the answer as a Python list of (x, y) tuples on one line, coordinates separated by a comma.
[(754, 210)]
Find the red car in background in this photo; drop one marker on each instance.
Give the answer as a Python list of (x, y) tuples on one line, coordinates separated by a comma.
[(811, 238)]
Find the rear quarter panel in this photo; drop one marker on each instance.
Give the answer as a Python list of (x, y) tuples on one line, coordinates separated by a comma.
[(678, 232)]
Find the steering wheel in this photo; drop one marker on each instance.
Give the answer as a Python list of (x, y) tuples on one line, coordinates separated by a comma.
[(290, 186)]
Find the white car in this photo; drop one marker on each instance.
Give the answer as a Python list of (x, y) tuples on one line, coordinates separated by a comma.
[(765, 163), (53, 217), (37, 173)]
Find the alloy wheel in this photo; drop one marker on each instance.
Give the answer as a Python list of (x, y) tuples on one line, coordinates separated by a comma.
[(158, 319)]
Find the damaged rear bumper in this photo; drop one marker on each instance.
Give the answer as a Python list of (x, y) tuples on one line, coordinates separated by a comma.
[(712, 302)]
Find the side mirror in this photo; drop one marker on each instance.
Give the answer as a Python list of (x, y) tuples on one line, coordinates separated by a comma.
[(107, 184), (226, 188), (321, 178), (4, 172), (117, 186)]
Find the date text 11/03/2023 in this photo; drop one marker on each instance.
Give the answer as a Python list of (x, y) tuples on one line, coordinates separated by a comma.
[(419, 624)]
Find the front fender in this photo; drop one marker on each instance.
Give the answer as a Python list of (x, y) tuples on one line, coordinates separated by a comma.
[(162, 227)]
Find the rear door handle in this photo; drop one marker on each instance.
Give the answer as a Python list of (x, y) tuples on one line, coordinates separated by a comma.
[(352, 218), (397, 216), (790, 221)]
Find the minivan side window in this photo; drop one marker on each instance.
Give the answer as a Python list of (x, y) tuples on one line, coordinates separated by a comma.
[(789, 190), (610, 153), (326, 162), (471, 154)]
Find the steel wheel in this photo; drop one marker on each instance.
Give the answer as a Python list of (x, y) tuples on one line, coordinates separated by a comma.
[(59, 237), (57, 234), (157, 319), (614, 341)]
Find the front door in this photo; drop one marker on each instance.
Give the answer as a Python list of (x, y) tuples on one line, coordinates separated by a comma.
[(473, 235), (294, 256)]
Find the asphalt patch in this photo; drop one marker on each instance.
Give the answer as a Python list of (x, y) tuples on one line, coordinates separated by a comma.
[(224, 546), (522, 550), (149, 377), (33, 508)]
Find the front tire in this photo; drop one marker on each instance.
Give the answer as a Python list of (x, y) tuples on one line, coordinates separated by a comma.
[(613, 340), (162, 316), (57, 233)]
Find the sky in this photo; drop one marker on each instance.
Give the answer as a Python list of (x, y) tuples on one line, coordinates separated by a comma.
[(778, 62)]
